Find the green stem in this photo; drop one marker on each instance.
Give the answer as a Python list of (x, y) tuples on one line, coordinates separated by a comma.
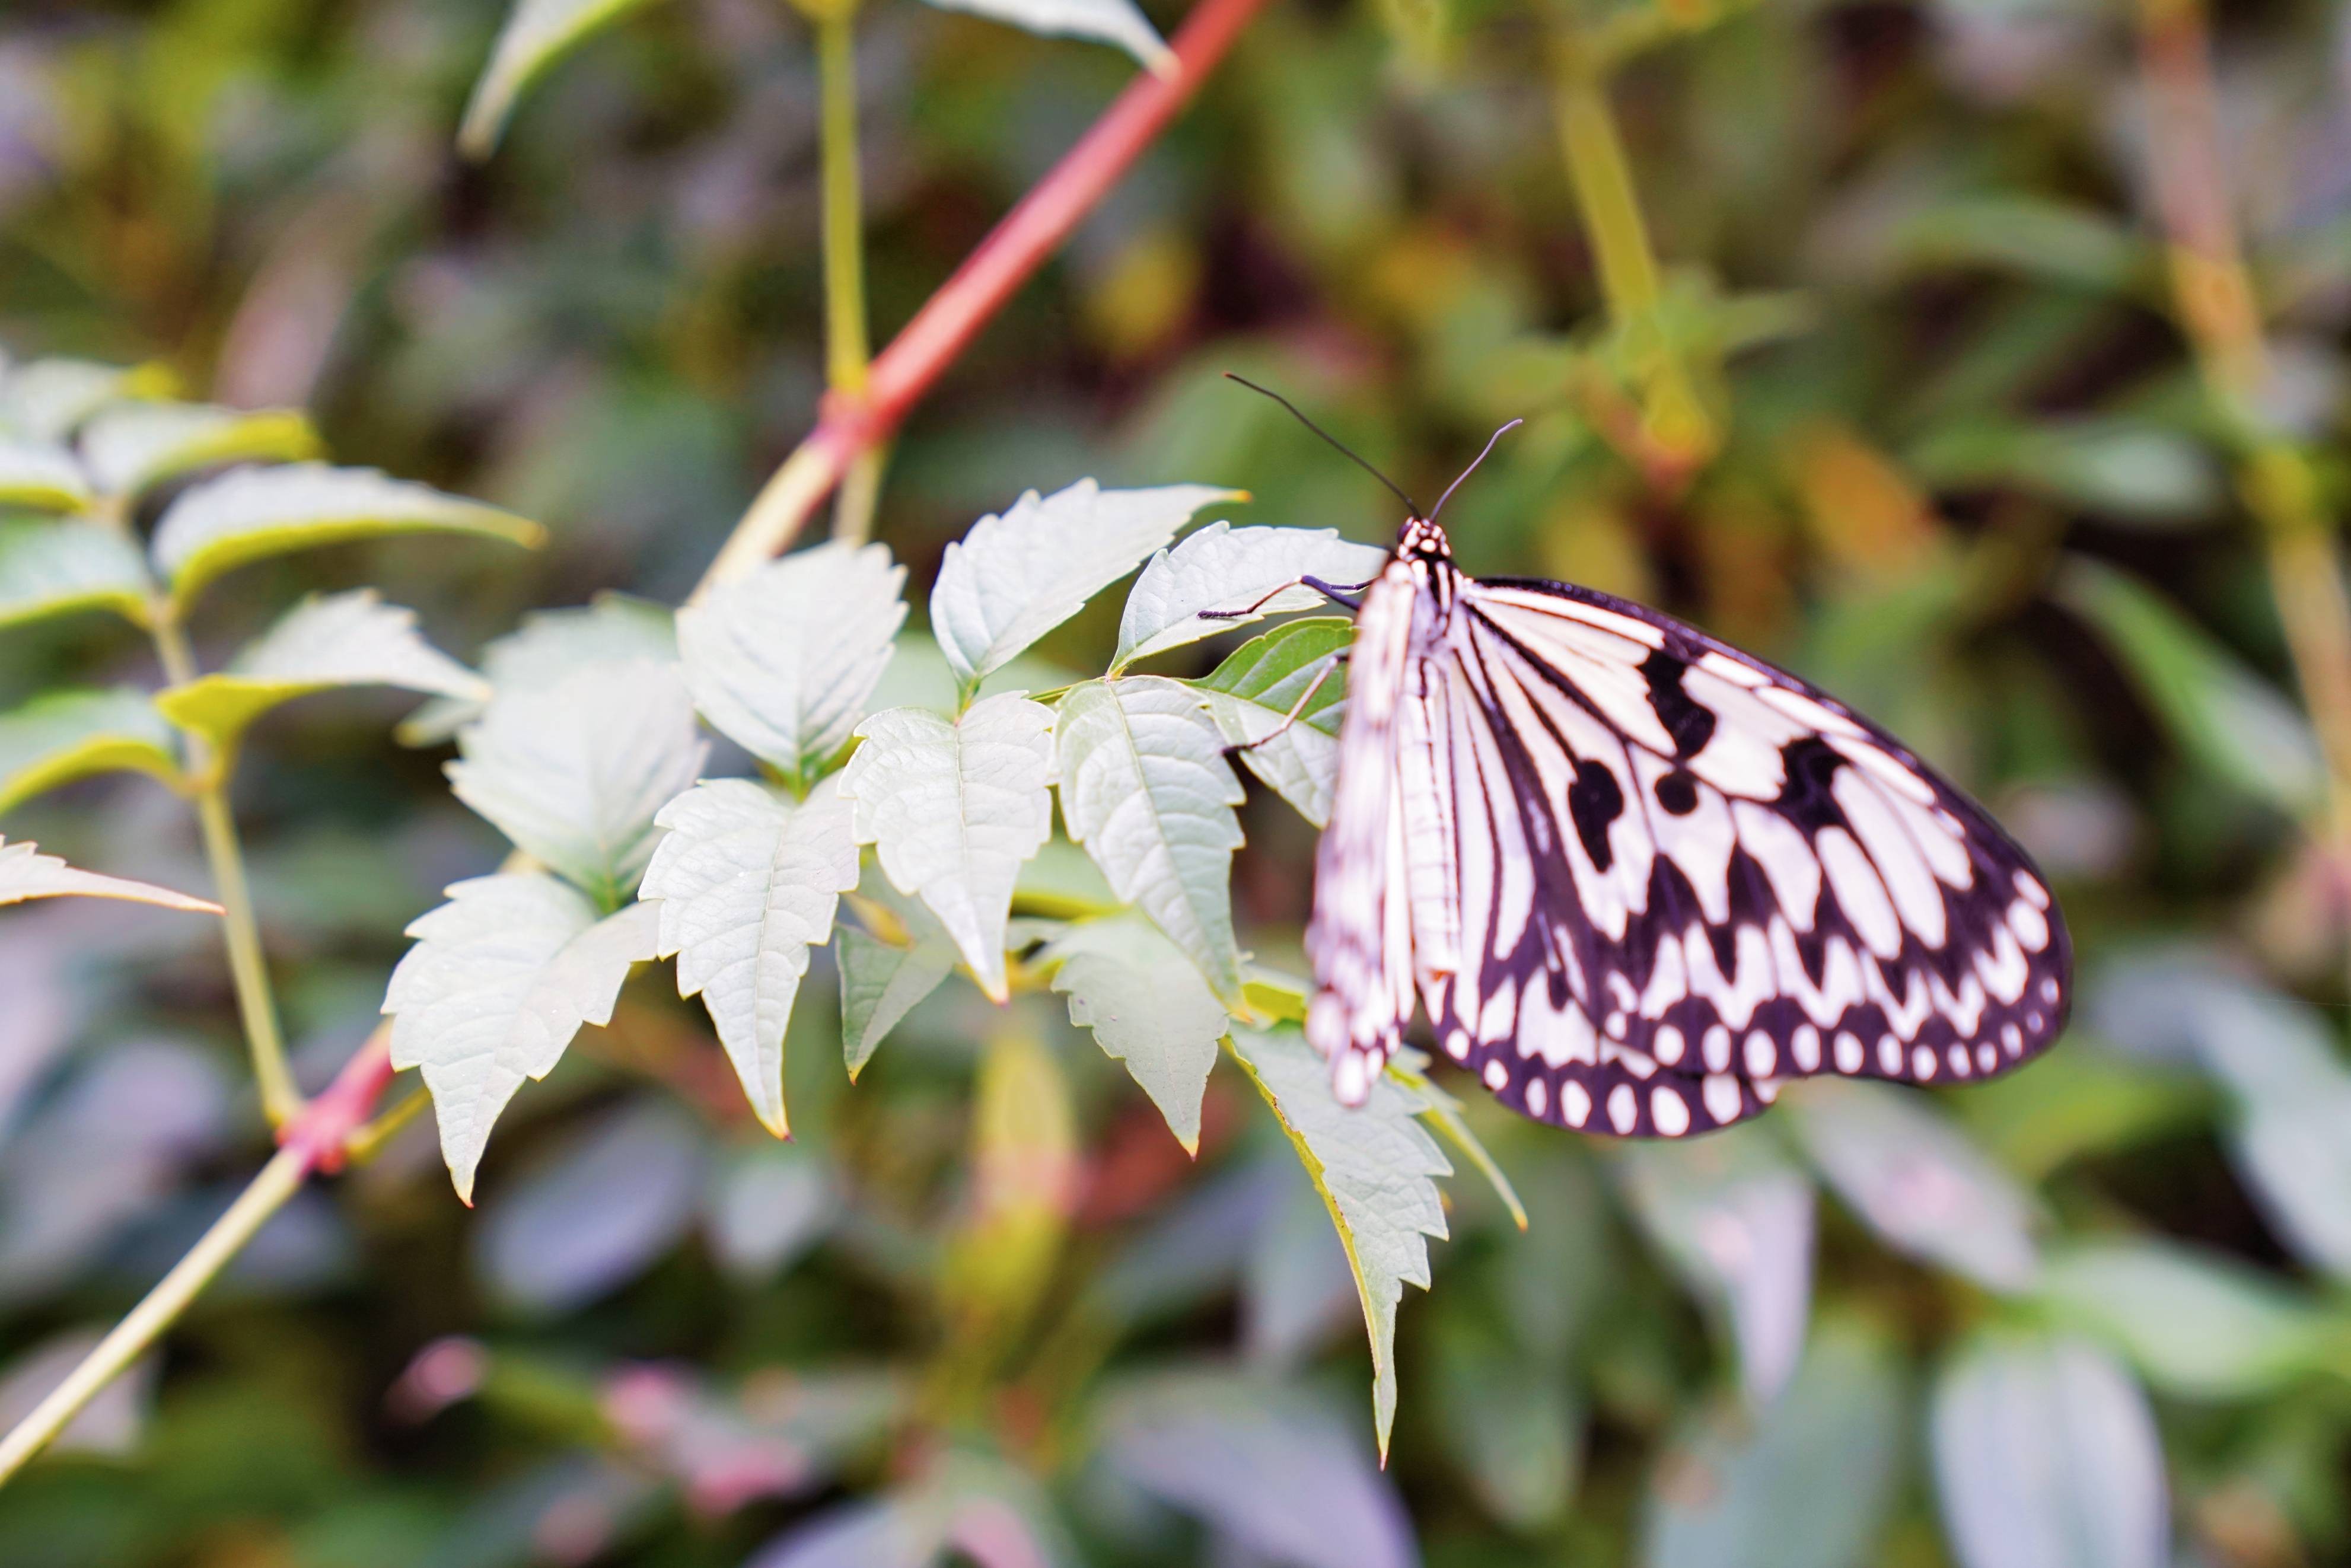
[(847, 349), (281, 1100), (278, 1180)]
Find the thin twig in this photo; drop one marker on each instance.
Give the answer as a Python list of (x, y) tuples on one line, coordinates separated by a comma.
[(903, 372), (847, 349)]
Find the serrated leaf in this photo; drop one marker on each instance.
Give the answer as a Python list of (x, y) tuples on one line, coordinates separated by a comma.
[(1250, 696), (27, 873), (1223, 568), (252, 513), (748, 883), (342, 640), (40, 479), (549, 647), (1802, 1483), (1147, 1007), (1115, 22), (1146, 791), (782, 660), (880, 983), (953, 807), (1916, 1180), (57, 569), (2046, 1456), (1444, 1112), (2196, 1324), (69, 735), (1375, 1167), (2229, 719), (1735, 1221), (573, 773), (131, 448), (1017, 575), (48, 399), (501, 978), (536, 35)]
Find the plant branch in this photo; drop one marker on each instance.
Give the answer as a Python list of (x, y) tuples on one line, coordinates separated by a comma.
[(946, 325), (281, 1099), (2219, 315), (848, 353), (317, 1140)]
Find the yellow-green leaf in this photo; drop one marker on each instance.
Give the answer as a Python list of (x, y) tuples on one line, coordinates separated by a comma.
[(57, 568), (130, 447), (70, 734)]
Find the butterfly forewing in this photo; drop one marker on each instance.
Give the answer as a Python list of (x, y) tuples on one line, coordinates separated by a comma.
[(1649, 878)]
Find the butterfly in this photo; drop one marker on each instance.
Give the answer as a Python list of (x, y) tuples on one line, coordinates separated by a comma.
[(1639, 879)]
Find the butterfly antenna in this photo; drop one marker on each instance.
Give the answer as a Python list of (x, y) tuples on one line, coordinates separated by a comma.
[(1473, 467), (1393, 487)]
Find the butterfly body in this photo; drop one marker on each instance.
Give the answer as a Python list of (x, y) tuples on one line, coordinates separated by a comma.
[(1637, 879)]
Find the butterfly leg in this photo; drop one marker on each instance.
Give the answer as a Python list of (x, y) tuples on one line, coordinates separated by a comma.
[(1334, 592), (1296, 708)]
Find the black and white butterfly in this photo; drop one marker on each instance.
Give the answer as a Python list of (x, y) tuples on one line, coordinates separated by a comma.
[(1639, 879)]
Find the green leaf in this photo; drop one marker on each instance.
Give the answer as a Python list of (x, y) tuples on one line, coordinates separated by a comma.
[(2196, 1324), (1147, 1007), (748, 883), (783, 660), (2119, 468), (880, 983), (1804, 1482), (1145, 789), (131, 448), (572, 773), (1250, 696), (1735, 1219), (1513, 1428), (918, 675), (1222, 568), (1016, 577), (27, 873), (70, 735), (953, 807), (2046, 1456), (49, 400), (35, 477), (501, 978), (2225, 716), (344, 640), (2035, 236), (251, 513), (1374, 1166), (57, 569), (1916, 1180), (1119, 23), (537, 34), (550, 646)]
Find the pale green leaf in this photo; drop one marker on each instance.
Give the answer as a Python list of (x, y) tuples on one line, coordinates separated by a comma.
[(1115, 22), (549, 647), (69, 735), (1735, 1219), (1444, 1112), (501, 978), (57, 569), (536, 35), (343, 639), (1374, 1166), (880, 983), (48, 400), (1916, 1179), (40, 479), (1222, 568), (251, 513), (1016, 577), (1806, 1483), (131, 448), (918, 675), (1251, 696), (747, 883), (573, 772), (953, 807), (1148, 1007), (27, 873), (2228, 718), (1145, 789), (2046, 1456), (2195, 1324), (782, 660)]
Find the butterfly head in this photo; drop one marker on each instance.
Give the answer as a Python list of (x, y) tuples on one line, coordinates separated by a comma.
[(1420, 540)]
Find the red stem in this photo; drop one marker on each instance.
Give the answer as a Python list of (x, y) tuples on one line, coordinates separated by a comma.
[(322, 1133)]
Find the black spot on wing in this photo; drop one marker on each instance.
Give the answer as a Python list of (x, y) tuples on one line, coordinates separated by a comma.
[(1689, 722), (1594, 800), (1677, 793), (1811, 764)]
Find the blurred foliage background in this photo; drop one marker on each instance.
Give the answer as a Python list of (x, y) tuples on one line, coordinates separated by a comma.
[(1956, 366)]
